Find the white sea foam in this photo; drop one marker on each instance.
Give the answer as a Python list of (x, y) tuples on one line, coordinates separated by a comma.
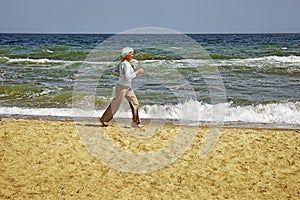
[(47, 61), (37, 61), (271, 60), (281, 59), (274, 113), (288, 113)]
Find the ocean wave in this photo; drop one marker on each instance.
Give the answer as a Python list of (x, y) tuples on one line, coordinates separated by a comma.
[(147, 58), (41, 61), (267, 65), (282, 59), (261, 61), (287, 113), (46, 61)]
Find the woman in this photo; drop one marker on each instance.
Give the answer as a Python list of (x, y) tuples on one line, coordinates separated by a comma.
[(123, 89)]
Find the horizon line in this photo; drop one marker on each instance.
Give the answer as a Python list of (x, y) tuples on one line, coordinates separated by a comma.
[(111, 33)]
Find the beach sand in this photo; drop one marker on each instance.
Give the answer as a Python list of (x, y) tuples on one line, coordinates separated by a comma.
[(45, 159)]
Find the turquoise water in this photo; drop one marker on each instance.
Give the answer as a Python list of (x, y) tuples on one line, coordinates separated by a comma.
[(40, 70)]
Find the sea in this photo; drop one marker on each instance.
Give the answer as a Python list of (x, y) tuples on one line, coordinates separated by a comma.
[(253, 78)]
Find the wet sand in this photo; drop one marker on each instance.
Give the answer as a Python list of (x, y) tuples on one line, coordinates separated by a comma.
[(45, 159)]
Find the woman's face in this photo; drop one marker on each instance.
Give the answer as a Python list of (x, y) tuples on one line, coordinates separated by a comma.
[(129, 56)]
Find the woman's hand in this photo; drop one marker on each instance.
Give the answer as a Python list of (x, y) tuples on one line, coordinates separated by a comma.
[(139, 71)]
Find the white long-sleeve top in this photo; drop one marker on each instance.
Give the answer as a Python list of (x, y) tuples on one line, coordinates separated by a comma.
[(126, 73)]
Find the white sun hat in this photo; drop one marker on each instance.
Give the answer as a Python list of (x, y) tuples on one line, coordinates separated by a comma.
[(126, 51)]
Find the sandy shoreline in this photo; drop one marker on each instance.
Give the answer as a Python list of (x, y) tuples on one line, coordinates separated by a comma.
[(45, 159)]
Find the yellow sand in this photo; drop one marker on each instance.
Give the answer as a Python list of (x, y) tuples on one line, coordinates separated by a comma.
[(44, 159)]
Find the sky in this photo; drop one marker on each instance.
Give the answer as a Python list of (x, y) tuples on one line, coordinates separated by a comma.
[(114, 16)]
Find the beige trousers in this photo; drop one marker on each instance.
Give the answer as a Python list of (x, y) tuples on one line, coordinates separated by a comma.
[(121, 92)]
